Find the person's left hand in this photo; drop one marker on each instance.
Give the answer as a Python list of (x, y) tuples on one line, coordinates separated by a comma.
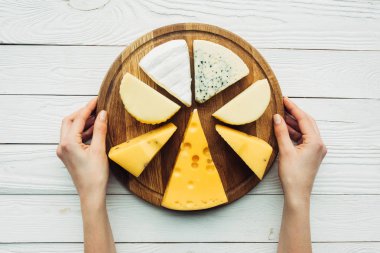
[(87, 164)]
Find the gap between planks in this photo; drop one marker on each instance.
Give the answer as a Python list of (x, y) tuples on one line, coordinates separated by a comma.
[(126, 45)]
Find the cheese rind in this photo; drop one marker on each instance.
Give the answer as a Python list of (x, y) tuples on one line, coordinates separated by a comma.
[(215, 68), (144, 103), (194, 183), (168, 65), (246, 107), (135, 154), (254, 151)]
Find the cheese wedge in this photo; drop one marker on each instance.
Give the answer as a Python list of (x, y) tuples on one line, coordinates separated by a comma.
[(134, 155), (168, 65), (254, 151), (144, 103), (194, 183), (215, 69), (246, 107)]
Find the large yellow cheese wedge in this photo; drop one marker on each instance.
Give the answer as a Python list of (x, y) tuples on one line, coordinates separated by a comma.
[(246, 107), (254, 151), (194, 183), (144, 103), (134, 155)]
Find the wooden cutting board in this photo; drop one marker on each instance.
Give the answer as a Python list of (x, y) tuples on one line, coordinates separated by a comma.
[(237, 178)]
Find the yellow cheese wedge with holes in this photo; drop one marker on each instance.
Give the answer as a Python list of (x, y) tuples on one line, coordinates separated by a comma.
[(194, 183), (135, 154), (144, 103), (254, 151), (246, 107)]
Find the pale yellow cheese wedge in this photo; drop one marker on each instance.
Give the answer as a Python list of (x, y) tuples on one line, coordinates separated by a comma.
[(254, 151), (135, 154), (246, 107), (194, 183), (144, 103)]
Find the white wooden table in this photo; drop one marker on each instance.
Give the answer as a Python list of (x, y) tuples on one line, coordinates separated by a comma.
[(54, 54)]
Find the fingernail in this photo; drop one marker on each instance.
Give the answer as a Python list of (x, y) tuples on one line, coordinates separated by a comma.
[(103, 115), (277, 119)]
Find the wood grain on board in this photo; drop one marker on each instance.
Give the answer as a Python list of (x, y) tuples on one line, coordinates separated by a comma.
[(236, 176)]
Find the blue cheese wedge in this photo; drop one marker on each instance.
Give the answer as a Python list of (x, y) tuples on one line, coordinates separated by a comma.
[(168, 65), (216, 68)]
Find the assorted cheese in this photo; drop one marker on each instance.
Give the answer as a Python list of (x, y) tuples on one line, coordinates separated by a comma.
[(134, 155), (168, 65), (246, 107), (144, 103), (254, 151), (194, 183), (215, 69)]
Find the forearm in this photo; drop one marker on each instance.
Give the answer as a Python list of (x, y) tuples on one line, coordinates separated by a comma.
[(295, 228), (96, 227)]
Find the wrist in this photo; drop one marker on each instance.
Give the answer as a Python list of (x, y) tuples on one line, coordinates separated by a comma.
[(297, 201), (93, 200)]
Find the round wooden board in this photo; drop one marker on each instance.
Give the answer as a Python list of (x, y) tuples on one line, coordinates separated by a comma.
[(236, 176)]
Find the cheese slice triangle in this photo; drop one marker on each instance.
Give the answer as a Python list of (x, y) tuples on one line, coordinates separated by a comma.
[(144, 103), (246, 107), (194, 183), (254, 151), (169, 66), (135, 154), (215, 69)]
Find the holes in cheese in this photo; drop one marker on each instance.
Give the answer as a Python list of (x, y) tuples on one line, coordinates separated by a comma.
[(169, 66), (254, 151), (144, 103), (135, 154), (194, 183), (215, 69), (246, 107)]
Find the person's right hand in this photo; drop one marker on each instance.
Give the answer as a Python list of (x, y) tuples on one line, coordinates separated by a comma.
[(298, 165)]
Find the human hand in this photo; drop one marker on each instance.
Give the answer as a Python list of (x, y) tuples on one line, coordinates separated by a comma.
[(298, 165), (87, 164)]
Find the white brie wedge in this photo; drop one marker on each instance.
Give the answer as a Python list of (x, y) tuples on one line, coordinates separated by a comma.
[(168, 65)]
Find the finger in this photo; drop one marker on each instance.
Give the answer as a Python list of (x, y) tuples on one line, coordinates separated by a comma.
[(87, 134), (90, 122), (292, 122), (82, 116), (66, 124), (98, 142), (282, 135), (305, 125), (294, 134), (316, 129)]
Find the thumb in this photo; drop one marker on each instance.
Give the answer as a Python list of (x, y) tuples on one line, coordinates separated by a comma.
[(282, 135), (98, 142)]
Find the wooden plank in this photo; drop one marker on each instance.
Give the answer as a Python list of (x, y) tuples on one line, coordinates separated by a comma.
[(355, 247), (324, 24), (346, 124), (58, 219), (35, 169), (74, 70), (62, 70)]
